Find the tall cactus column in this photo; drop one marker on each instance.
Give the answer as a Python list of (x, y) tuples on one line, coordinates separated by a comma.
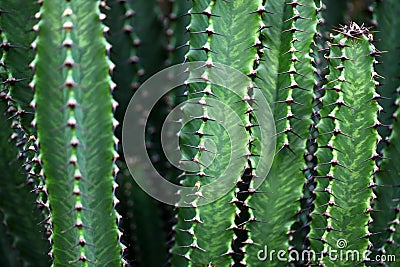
[(213, 234), (385, 15), (347, 143), (386, 222), (75, 132), (286, 80)]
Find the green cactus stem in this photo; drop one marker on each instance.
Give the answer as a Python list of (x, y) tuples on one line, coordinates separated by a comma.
[(216, 38), (347, 143), (74, 119), (286, 80)]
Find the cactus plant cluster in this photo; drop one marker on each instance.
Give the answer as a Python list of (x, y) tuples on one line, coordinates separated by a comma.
[(328, 188)]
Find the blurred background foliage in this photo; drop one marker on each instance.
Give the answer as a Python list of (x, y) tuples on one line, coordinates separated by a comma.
[(343, 11)]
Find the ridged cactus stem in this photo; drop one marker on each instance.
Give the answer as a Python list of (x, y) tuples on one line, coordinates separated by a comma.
[(216, 38), (287, 82), (150, 50), (17, 213), (385, 16), (17, 33), (74, 119), (386, 222), (137, 210), (300, 238), (124, 40), (175, 24), (347, 143), (127, 68)]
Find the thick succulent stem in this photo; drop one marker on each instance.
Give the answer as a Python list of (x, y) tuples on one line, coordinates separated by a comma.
[(300, 240), (347, 143), (137, 210), (217, 37), (385, 241), (75, 132), (18, 148), (386, 221), (18, 33), (286, 80), (20, 219), (175, 30), (150, 51), (385, 14), (124, 41)]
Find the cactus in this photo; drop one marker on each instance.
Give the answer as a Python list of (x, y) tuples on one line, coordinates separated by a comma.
[(151, 54), (385, 224), (76, 144), (385, 16), (137, 210), (384, 241), (17, 33), (17, 148), (17, 36), (175, 24), (18, 213), (291, 97), (343, 195), (211, 39), (124, 42)]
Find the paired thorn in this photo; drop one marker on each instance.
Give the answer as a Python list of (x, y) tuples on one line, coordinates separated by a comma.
[(7, 46), (12, 81)]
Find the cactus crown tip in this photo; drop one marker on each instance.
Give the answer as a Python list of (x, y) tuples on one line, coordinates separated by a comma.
[(353, 30)]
